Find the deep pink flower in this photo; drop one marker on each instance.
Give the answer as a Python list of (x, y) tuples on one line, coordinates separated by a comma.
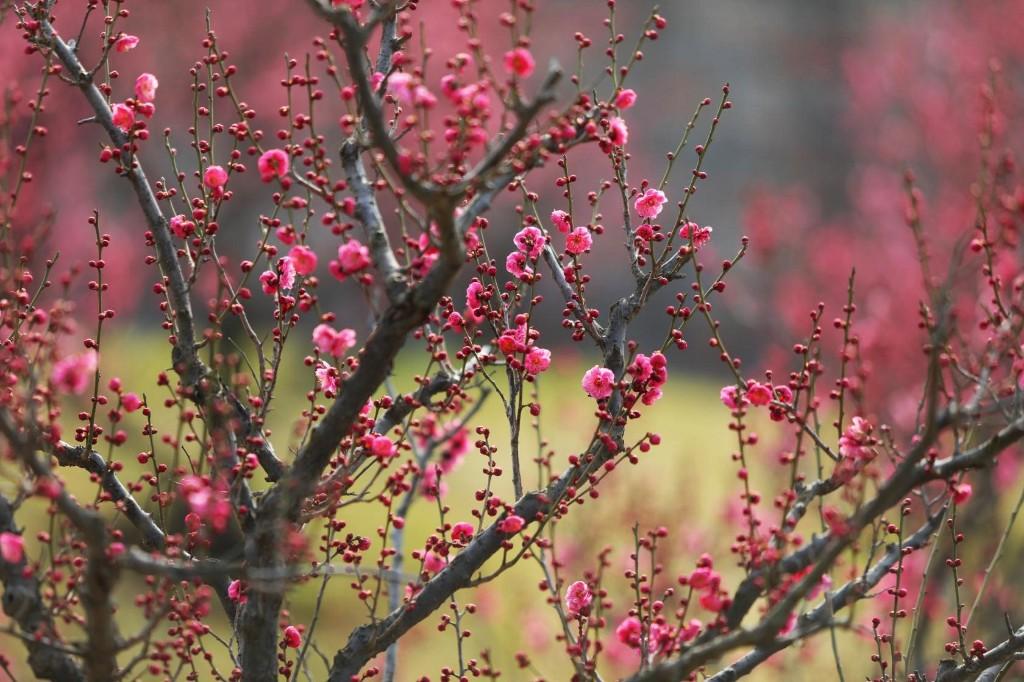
[(650, 203), (206, 502), (618, 132), (520, 62), (145, 87), (126, 43), (518, 265), (273, 163), (236, 592), (625, 99), (699, 235), (578, 241), (856, 441), (599, 382), (12, 547), (330, 341), (286, 271), (530, 240), (731, 398), (123, 116), (961, 492), (73, 373), (434, 562), (215, 177), (292, 637), (304, 259), (629, 632), (462, 532), (381, 447), (181, 226), (269, 282), (578, 597), (758, 394), (537, 360), (560, 219), (353, 256), (131, 402), (511, 524)]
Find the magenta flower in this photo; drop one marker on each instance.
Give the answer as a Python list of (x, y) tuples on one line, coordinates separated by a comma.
[(625, 99), (273, 163), (330, 341), (578, 598), (123, 117), (215, 177), (462, 532), (520, 62), (292, 637), (560, 219), (537, 360), (304, 259), (511, 524), (12, 547), (145, 87), (327, 378), (125, 43), (73, 373), (530, 241), (131, 402), (578, 241), (618, 132), (650, 203)]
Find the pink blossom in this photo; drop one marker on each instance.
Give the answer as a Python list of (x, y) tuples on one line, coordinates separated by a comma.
[(331, 341), (115, 549), (731, 398), (434, 562), (269, 282), (73, 373), (700, 236), (517, 265), (181, 226), (520, 62), (599, 382), (618, 132), (513, 340), (691, 630), (856, 441), (759, 394), (353, 257), (537, 360), (511, 524), (123, 116), (712, 601), (273, 163), (206, 502), (286, 270), (381, 447), (530, 240), (783, 394), (630, 632), (215, 177), (578, 597), (327, 378), (431, 484), (292, 637), (126, 42), (462, 532), (304, 259), (625, 99), (560, 219), (578, 241), (145, 87), (961, 492), (236, 592), (131, 402), (12, 547), (650, 203), (702, 577)]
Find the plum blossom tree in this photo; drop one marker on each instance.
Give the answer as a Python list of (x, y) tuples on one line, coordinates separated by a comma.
[(394, 202)]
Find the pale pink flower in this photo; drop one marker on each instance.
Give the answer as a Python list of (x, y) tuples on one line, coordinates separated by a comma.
[(599, 382), (530, 240), (292, 637), (650, 203), (578, 241), (578, 598), (206, 502), (327, 378), (125, 43), (273, 163), (625, 99), (511, 524), (304, 259), (537, 360), (123, 116), (131, 402), (462, 532), (12, 547), (618, 132), (73, 373), (560, 219), (215, 177), (520, 62), (856, 441), (145, 87)]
